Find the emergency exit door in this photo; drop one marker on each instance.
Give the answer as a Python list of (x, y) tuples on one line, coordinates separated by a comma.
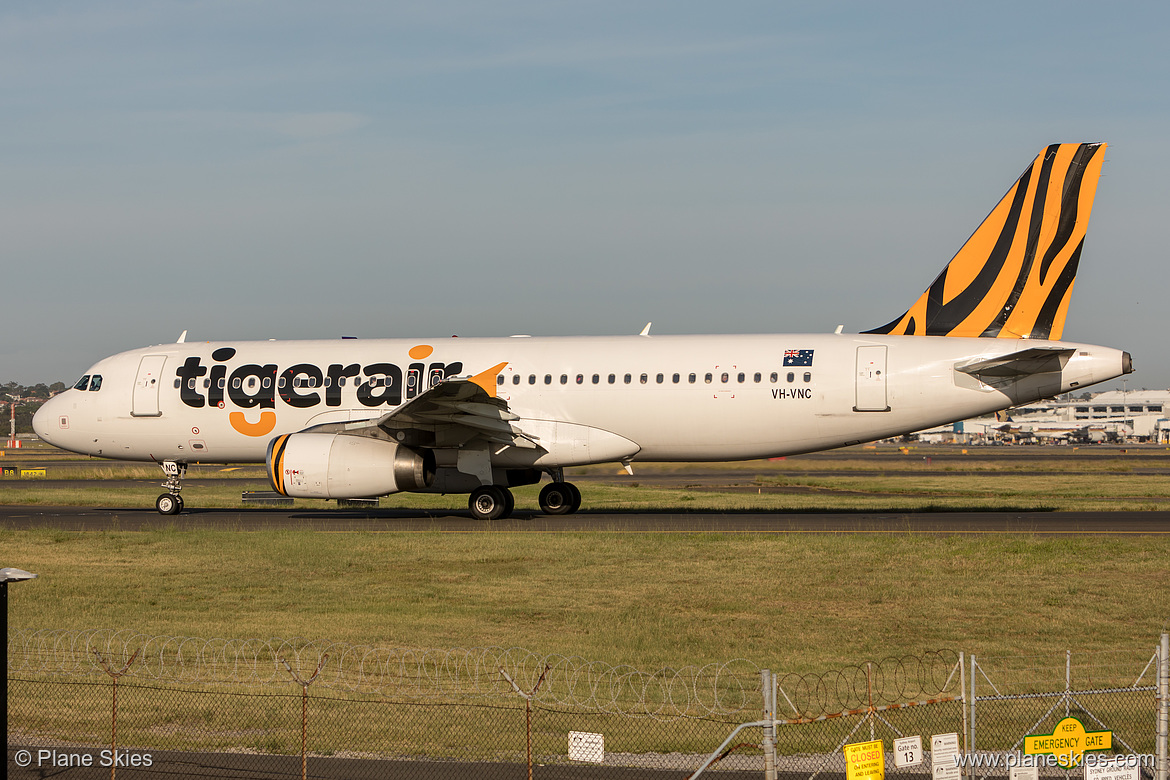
[(146, 387), (871, 380)]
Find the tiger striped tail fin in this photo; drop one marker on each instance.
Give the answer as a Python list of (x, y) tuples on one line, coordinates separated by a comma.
[(1014, 276)]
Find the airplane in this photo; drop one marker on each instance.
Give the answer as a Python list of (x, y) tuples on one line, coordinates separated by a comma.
[(354, 418)]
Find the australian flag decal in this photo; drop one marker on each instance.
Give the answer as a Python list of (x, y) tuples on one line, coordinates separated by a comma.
[(798, 357)]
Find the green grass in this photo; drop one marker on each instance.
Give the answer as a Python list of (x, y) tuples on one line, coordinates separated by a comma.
[(795, 603)]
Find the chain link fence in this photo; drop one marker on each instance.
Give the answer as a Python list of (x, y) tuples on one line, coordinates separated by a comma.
[(298, 708)]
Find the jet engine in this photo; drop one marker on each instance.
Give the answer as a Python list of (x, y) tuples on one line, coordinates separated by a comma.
[(335, 465)]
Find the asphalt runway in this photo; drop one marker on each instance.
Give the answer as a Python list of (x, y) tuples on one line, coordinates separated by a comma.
[(887, 461), (404, 521)]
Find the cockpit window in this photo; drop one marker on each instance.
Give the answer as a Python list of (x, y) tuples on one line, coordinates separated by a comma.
[(82, 383), (95, 384)]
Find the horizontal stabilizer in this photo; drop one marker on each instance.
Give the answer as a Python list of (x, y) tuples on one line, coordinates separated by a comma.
[(1037, 360)]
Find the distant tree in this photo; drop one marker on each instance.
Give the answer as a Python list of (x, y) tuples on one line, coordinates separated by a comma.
[(24, 415), (39, 391), (57, 387)]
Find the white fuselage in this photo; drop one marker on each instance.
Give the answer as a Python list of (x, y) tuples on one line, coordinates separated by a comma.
[(685, 398)]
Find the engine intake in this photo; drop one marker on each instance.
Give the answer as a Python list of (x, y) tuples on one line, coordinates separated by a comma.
[(335, 465)]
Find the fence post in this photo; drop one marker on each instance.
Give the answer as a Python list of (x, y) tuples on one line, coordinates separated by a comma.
[(114, 707), (971, 748), (1162, 738), (305, 709), (963, 699), (769, 692), (527, 708)]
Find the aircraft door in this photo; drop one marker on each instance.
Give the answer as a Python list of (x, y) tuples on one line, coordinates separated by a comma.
[(146, 386), (871, 380)]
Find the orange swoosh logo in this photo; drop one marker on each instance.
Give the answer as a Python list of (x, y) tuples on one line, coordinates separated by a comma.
[(241, 424)]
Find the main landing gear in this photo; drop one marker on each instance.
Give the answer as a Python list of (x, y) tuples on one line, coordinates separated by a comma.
[(491, 502), (171, 503), (559, 497), (495, 502)]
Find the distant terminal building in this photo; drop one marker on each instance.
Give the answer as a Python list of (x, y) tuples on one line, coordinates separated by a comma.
[(1111, 416)]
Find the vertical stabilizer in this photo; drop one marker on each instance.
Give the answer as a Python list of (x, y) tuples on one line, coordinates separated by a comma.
[(1014, 276)]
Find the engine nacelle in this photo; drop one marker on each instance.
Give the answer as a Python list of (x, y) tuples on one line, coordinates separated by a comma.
[(335, 465)]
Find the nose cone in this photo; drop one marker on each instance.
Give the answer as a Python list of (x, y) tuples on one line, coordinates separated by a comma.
[(44, 420)]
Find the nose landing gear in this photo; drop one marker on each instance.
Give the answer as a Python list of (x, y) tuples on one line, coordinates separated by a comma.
[(171, 503)]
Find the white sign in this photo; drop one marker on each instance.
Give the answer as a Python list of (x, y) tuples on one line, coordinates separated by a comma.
[(1025, 773), (944, 754), (584, 746), (908, 751), (1119, 768)]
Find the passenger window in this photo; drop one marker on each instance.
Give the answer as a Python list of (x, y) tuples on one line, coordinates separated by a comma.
[(596, 378), (82, 383), (191, 383), (564, 379), (178, 384), (758, 376), (707, 379), (548, 379), (791, 377), (499, 380), (742, 376), (580, 378), (807, 376), (612, 378), (644, 378), (281, 383), (691, 378), (775, 377), (629, 378), (532, 379), (236, 383), (207, 383), (724, 377), (95, 383), (660, 377), (251, 382), (515, 379), (675, 378)]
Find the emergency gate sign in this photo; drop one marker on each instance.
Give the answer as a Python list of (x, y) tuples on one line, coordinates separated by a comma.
[(865, 761)]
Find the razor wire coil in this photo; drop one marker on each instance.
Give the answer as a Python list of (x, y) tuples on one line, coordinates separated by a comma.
[(715, 689)]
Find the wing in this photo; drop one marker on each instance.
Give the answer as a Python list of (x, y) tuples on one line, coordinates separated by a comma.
[(452, 414)]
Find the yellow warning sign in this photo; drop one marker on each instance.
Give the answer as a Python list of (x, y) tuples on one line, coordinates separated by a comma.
[(865, 761), (1068, 741)]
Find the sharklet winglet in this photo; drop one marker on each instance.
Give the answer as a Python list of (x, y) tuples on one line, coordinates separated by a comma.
[(487, 379)]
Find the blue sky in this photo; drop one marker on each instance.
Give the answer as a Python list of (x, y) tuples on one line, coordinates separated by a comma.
[(257, 169)]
